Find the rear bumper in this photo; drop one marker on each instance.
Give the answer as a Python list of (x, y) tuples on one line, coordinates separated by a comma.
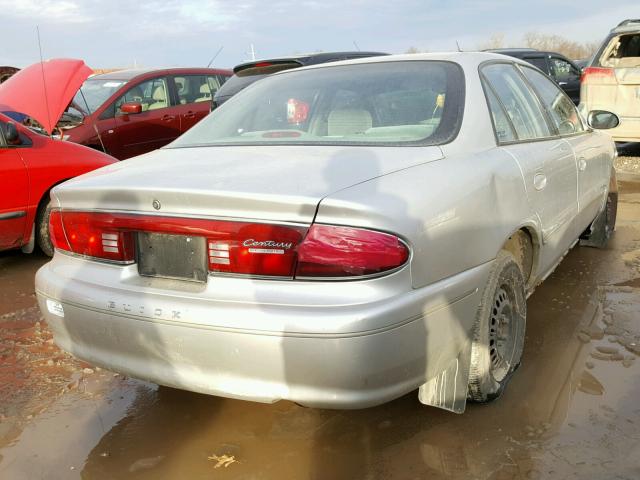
[(357, 345)]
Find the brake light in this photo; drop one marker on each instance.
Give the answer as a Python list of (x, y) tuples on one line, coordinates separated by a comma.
[(92, 235), (597, 73), (334, 251)]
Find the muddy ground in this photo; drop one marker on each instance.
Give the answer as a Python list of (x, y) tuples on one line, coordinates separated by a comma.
[(572, 411)]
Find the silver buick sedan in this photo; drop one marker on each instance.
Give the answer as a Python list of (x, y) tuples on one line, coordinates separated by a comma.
[(337, 235)]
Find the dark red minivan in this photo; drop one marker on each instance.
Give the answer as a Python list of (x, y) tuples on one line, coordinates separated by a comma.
[(131, 112)]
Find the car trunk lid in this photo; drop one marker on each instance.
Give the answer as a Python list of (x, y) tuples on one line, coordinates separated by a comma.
[(273, 183)]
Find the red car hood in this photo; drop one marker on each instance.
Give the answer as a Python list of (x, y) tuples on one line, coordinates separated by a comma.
[(44, 90)]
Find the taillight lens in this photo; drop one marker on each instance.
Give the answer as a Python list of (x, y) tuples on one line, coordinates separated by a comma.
[(599, 74), (244, 248), (334, 251), (91, 234), (254, 249)]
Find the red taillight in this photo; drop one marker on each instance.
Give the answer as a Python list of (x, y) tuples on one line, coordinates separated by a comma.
[(333, 251), (597, 73), (244, 248), (91, 234), (254, 249)]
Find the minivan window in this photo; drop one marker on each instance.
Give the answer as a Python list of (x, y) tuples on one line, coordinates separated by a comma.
[(519, 102), (372, 103), (195, 88), (561, 109)]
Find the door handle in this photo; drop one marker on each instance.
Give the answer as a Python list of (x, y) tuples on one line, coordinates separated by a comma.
[(582, 164), (539, 181), (189, 115), (562, 84), (168, 118)]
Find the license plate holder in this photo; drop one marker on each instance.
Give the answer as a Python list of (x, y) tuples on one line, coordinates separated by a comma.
[(180, 257)]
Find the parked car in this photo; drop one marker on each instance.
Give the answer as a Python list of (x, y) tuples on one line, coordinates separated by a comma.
[(131, 112), (337, 236), (249, 72), (6, 73), (562, 70), (32, 163), (611, 81)]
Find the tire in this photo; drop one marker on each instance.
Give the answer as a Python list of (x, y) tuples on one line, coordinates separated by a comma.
[(498, 338), (42, 228)]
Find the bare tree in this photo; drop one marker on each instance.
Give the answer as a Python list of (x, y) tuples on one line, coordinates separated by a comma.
[(496, 40), (415, 50), (544, 41)]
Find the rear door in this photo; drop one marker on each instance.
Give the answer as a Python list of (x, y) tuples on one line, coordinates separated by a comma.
[(194, 94), (157, 124), (14, 197), (546, 161), (590, 153)]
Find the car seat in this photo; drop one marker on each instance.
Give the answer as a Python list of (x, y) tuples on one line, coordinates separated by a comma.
[(205, 92), (348, 121), (159, 97)]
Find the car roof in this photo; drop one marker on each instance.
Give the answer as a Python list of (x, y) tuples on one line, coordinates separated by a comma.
[(132, 73), (463, 58), (627, 26), (308, 58)]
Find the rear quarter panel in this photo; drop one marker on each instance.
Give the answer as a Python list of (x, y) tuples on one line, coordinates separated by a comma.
[(455, 213)]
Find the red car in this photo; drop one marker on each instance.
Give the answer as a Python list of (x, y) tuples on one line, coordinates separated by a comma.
[(31, 164), (131, 112)]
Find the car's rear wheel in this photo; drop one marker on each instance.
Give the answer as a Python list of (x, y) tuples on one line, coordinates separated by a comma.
[(42, 228), (499, 330)]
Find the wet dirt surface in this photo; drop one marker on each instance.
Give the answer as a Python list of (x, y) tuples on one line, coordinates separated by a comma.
[(570, 412)]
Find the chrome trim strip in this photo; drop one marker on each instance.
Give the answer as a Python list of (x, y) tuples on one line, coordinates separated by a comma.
[(13, 215)]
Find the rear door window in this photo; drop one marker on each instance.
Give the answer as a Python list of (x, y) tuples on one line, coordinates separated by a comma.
[(501, 123), (562, 70), (540, 62), (518, 100), (561, 109), (195, 88)]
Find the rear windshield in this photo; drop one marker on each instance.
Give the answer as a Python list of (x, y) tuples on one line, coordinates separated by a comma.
[(372, 103), (247, 76), (622, 51)]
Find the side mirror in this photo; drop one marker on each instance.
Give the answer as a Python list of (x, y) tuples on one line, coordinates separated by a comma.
[(602, 120), (11, 134), (131, 108)]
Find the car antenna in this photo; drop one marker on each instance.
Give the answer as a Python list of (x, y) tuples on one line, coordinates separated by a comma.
[(356, 45), (95, 127), (215, 56), (44, 83), (458, 45)]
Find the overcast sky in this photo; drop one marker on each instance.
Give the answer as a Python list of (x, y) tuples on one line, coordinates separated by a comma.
[(119, 33)]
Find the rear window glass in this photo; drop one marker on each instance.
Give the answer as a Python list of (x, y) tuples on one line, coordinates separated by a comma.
[(622, 51), (373, 103)]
